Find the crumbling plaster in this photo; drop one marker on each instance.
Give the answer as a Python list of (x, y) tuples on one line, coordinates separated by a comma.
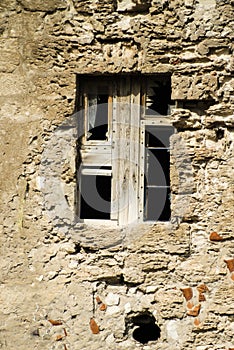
[(52, 270)]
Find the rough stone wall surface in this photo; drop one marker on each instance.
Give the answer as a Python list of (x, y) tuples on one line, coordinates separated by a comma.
[(182, 272)]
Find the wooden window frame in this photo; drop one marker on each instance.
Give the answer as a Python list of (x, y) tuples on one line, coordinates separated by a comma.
[(162, 121), (95, 171), (95, 153), (85, 113)]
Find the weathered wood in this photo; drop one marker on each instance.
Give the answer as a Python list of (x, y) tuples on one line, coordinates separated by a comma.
[(114, 157), (96, 156), (124, 149), (141, 171), (86, 102), (133, 189), (110, 114), (96, 172)]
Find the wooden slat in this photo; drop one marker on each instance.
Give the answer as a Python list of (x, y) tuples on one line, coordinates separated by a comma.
[(96, 156), (124, 149), (142, 171), (96, 149), (152, 120), (114, 157), (86, 102), (110, 114), (134, 152), (100, 172)]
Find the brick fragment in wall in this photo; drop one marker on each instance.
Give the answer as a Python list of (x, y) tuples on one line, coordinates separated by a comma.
[(187, 293), (214, 236), (230, 264), (194, 311), (94, 326), (201, 297), (202, 288)]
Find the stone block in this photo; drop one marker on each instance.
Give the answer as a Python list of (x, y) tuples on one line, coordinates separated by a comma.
[(112, 299), (40, 5), (222, 302), (133, 5), (195, 87), (169, 303)]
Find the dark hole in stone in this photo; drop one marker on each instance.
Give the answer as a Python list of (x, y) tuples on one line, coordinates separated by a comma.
[(199, 107), (147, 329), (36, 333), (77, 249), (87, 249), (219, 134), (113, 280)]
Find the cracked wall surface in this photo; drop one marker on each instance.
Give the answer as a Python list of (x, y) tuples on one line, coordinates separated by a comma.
[(67, 285)]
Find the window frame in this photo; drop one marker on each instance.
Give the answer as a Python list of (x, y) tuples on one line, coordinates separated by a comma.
[(85, 111), (147, 121), (102, 152), (94, 171)]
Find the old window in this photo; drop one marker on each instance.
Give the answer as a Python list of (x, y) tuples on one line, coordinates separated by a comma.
[(95, 196), (124, 169), (157, 96), (96, 100), (157, 172)]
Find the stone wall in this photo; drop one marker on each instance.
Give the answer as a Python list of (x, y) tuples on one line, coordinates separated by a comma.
[(102, 284)]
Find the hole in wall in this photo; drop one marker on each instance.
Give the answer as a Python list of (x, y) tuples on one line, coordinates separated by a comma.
[(146, 328), (113, 280), (77, 249), (219, 134), (198, 107)]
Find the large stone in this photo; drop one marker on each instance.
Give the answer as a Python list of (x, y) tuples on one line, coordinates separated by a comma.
[(169, 303), (40, 5), (133, 5)]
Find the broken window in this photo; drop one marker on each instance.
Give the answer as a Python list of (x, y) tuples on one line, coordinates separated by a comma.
[(158, 96), (96, 100), (97, 116), (124, 148), (157, 173), (95, 201)]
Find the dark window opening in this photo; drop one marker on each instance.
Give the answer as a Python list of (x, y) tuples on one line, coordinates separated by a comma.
[(158, 136), (147, 329), (157, 173), (158, 96), (97, 117), (95, 197), (157, 206)]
